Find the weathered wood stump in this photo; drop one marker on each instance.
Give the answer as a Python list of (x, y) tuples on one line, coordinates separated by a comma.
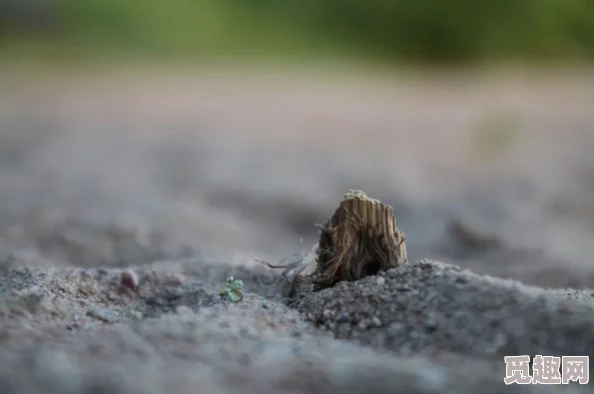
[(360, 239)]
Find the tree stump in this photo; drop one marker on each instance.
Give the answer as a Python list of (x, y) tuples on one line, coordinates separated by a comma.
[(360, 239)]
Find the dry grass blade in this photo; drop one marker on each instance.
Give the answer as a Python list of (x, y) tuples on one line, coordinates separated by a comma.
[(291, 271)]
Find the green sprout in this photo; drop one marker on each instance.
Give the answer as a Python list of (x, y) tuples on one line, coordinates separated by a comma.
[(233, 291)]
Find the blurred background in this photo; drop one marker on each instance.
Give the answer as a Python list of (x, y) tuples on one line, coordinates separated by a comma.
[(403, 30), (135, 131)]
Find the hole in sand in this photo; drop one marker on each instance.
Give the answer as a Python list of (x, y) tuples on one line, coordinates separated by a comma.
[(371, 268)]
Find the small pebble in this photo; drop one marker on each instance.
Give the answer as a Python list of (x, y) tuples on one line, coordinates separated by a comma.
[(129, 279), (136, 314), (343, 318), (380, 281)]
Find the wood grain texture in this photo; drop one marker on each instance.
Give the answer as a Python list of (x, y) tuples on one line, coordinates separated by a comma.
[(360, 239)]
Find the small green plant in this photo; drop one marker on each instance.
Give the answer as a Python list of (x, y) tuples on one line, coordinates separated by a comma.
[(233, 291)]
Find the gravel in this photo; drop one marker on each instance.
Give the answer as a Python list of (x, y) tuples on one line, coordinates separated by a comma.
[(429, 307), (427, 327)]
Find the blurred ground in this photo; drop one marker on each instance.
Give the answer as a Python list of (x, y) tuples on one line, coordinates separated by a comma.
[(124, 168), (189, 175)]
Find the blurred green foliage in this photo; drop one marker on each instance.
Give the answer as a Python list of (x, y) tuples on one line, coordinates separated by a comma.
[(423, 30)]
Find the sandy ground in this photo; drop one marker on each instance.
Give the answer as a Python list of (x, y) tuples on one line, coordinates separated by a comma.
[(198, 174)]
